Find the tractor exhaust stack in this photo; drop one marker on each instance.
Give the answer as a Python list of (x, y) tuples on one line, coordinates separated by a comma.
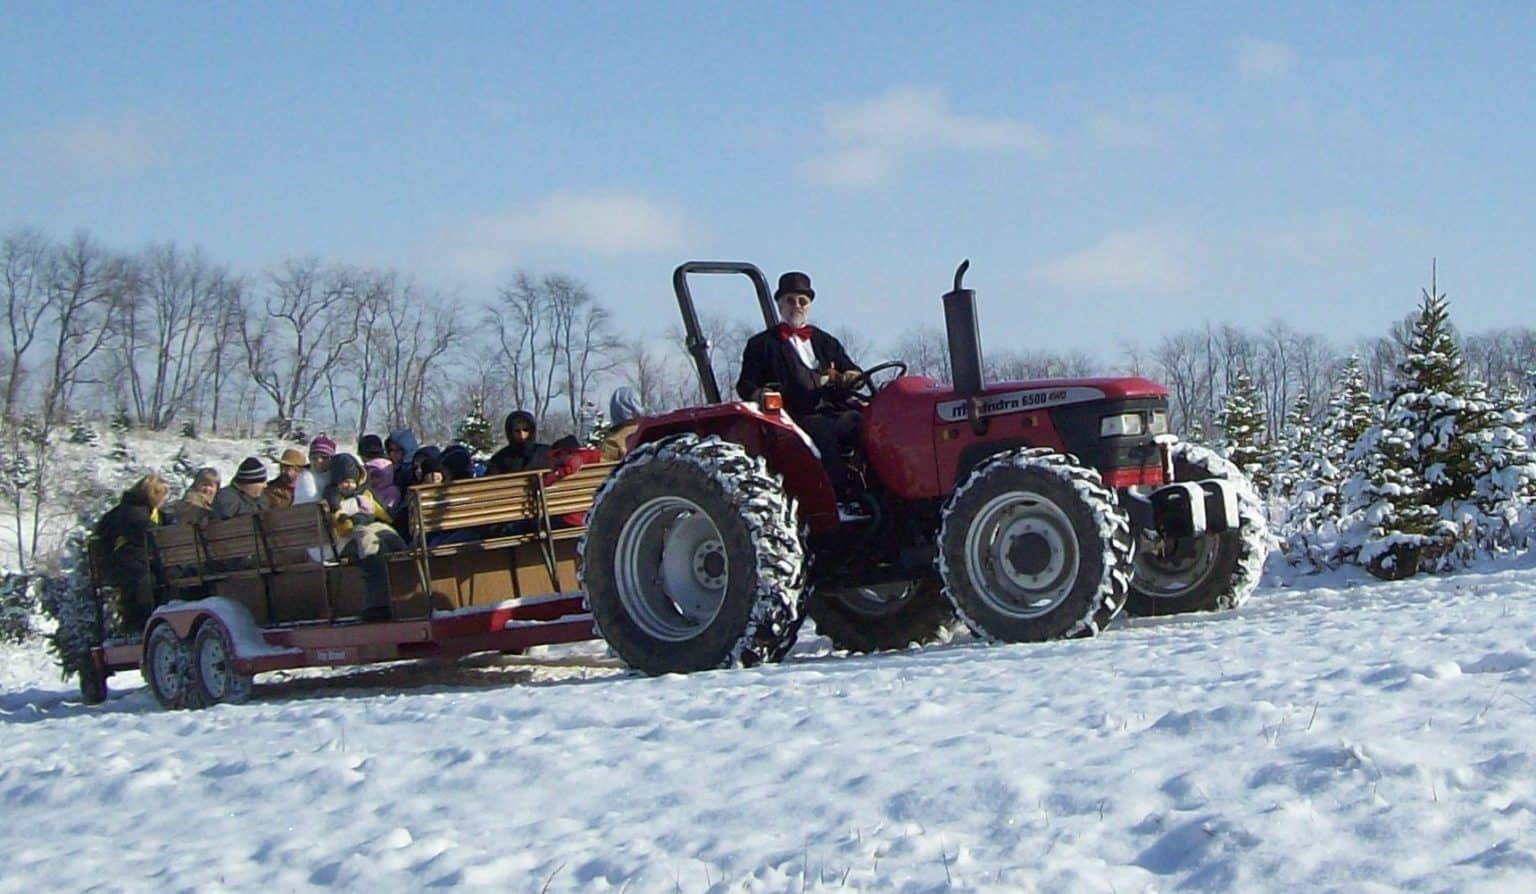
[(964, 336)]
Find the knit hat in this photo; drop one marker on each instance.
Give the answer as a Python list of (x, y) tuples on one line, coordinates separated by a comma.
[(322, 446), (371, 447), (345, 467), (293, 457), (252, 471), (624, 405)]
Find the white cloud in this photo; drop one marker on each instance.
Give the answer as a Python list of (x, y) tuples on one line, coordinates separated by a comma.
[(99, 145), (876, 137), (1263, 60), (1147, 122), (609, 224), (1137, 260)]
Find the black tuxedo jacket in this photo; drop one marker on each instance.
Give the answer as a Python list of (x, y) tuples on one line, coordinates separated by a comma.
[(771, 360)]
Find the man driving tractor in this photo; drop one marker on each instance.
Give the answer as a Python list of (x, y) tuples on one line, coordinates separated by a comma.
[(810, 369)]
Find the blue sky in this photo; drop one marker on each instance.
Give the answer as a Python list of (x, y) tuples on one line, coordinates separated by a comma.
[(1114, 171)]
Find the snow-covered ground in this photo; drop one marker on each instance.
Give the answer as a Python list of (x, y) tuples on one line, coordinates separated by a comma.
[(1335, 735)]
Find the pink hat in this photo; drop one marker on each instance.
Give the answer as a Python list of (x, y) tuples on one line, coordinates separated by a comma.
[(322, 446)]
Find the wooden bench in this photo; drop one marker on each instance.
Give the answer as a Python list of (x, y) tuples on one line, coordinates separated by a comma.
[(285, 564), (524, 549)]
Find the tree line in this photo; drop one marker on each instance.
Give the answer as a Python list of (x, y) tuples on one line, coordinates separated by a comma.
[(168, 338)]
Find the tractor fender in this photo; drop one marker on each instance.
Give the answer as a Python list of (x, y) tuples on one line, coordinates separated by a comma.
[(770, 434)]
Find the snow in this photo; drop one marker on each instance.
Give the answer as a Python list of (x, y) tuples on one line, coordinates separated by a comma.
[(1335, 733)]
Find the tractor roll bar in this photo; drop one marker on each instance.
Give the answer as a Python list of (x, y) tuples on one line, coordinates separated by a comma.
[(698, 345)]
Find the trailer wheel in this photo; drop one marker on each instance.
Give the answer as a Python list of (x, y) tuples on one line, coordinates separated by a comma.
[(168, 669), (692, 559), (214, 676), (875, 619), (1210, 573), (1033, 547), (93, 682)]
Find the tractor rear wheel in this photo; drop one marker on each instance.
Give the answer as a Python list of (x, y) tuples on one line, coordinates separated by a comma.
[(1200, 574), (1033, 547), (692, 558), (877, 618)]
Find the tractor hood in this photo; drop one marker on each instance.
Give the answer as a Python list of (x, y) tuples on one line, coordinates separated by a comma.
[(1004, 398)]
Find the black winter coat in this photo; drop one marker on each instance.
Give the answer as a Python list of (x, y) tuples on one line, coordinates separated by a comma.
[(769, 359), (124, 531), (528, 457)]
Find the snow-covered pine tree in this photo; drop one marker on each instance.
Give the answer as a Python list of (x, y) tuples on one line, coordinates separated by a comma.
[(1505, 486), (1420, 460), (474, 430), (1242, 432), (1312, 527), (1293, 449)]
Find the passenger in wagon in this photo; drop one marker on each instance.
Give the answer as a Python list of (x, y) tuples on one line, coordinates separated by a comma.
[(281, 491), (196, 504), (242, 496), (361, 521), (458, 464), (381, 471), (401, 446), (124, 536), (314, 480), (624, 412), (523, 452)]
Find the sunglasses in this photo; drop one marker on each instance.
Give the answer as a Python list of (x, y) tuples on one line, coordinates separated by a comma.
[(797, 300)]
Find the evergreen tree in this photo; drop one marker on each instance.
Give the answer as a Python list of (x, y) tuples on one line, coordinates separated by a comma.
[(1419, 464), (474, 431), (1294, 449), (1242, 432), (1313, 517), (1505, 485)]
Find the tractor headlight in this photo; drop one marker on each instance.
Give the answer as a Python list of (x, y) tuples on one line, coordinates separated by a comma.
[(1121, 424), (1159, 423)]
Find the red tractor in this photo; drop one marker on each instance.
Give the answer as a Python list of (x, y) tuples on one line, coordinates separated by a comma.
[(1032, 510)]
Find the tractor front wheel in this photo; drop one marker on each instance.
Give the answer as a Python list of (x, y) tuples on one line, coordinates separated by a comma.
[(1033, 547), (692, 558), (1207, 573)]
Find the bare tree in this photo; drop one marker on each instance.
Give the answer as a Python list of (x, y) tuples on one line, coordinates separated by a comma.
[(925, 351), (24, 267), (586, 348), (421, 333), (521, 323), (308, 320), (163, 331)]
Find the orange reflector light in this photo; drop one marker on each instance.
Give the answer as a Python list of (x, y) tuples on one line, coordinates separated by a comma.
[(773, 400)]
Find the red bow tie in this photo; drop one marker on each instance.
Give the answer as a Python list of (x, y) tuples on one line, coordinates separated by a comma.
[(787, 332)]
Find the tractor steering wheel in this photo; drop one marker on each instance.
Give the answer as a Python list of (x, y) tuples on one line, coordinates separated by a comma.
[(863, 383)]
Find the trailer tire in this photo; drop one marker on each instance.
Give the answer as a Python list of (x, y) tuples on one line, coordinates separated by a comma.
[(1034, 547), (1220, 571), (168, 668), (856, 621), (93, 682), (214, 677), (692, 558)]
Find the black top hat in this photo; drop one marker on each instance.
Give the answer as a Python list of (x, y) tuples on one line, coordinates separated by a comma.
[(796, 282)]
